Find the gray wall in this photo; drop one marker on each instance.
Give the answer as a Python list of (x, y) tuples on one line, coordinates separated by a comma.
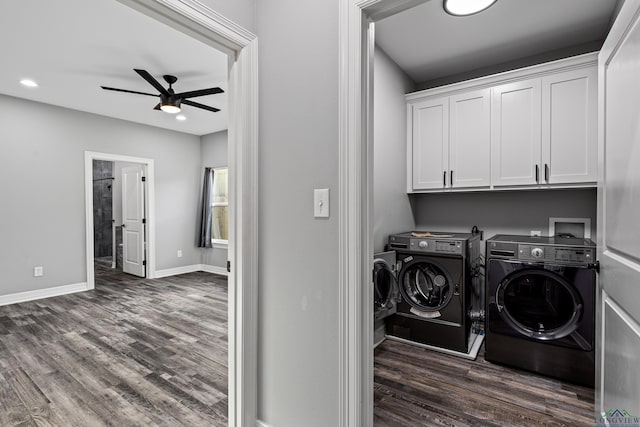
[(298, 356), (242, 12), (42, 173), (513, 65), (391, 208), (506, 212), (214, 154)]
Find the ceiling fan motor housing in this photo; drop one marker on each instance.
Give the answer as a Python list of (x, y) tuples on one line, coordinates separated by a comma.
[(170, 100)]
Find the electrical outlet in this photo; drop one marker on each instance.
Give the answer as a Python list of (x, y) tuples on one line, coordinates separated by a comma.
[(179, 253), (38, 271), (536, 233)]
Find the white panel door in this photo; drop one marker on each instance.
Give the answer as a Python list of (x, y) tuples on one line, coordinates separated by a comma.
[(430, 141), (133, 254), (515, 133), (470, 139), (618, 353), (569, 127)]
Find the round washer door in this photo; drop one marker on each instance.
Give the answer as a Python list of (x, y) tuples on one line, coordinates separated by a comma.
[(384, 281), (539, 304), (425, 285)]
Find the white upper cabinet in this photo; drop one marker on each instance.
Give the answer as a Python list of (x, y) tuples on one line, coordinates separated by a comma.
[(470, 139), (430, 137), (569, 124), (515, 133), (530, 128)]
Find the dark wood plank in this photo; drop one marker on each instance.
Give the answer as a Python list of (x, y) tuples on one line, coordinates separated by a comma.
[(132, 352), (418, 387)]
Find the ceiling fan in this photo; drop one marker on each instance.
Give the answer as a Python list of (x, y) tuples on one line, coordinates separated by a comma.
[(169, 100)]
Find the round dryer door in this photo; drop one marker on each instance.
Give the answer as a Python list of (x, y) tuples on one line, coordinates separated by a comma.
[(425, 285), (384, 281), (539, 304)]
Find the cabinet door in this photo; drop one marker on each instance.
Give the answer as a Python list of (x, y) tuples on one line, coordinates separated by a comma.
[(470, 139), (430, 138), (515, 133), (569, 127)]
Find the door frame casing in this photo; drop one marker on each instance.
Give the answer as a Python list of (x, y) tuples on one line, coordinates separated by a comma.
[(356, 36), (241, 46), (148, 170)]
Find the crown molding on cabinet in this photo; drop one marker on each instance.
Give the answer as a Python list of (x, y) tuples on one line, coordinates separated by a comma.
[(539, 70)]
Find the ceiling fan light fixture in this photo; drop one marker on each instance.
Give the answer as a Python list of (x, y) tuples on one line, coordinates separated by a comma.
[(466, 7), (170, 104), (169, 108)]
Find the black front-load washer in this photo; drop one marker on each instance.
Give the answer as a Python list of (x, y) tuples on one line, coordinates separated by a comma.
[(540, 305), (435, 282)]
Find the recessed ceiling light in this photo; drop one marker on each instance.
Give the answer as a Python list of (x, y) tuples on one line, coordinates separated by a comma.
[(466, 7), (28, 83), (181, 118)]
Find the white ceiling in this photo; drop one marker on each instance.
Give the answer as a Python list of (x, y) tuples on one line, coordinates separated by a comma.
[(72, 47), (427, 43)]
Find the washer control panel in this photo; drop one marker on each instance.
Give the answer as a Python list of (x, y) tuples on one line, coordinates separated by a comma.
[(556, 253), (436, 246)]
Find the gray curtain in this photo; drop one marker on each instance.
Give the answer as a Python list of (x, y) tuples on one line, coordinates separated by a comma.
[(207, 199)]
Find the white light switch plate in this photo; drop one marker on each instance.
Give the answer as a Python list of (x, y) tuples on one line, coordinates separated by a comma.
[(321, 203)]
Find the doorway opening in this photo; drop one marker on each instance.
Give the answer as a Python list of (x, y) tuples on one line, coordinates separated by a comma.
[(120, 211), (119, 219), (240, 46)]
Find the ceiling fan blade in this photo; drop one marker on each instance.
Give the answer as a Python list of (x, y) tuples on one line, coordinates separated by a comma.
[(201, 92), (153, 82), (128, 91), (157, 107), (197, 105)]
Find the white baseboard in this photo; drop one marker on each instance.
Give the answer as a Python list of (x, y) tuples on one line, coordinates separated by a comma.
[(261, 424), (177, 270), (190, 269), (42, 293), (214, 269)]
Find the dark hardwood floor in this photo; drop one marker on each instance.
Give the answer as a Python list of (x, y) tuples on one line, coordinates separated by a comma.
[(417, 387), (132, 352), (138, 352)]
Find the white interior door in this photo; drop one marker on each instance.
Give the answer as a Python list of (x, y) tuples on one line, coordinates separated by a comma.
[(133, 253), (618, 355)]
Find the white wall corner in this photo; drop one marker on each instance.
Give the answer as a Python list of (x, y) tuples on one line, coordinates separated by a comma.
[(42, 293), (191, 269), (214, 269), (178, 270)]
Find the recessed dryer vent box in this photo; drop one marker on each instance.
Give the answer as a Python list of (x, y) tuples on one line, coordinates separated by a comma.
[(576, 227)]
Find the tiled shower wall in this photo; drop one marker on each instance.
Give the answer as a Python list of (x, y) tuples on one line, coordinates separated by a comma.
[(102, 208)]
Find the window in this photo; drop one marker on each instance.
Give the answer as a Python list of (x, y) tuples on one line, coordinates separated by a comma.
[(220, 207)]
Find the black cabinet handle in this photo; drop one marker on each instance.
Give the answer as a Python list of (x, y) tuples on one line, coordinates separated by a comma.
[(546, 172), (444, 178), (537, 174), (451, 178)]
